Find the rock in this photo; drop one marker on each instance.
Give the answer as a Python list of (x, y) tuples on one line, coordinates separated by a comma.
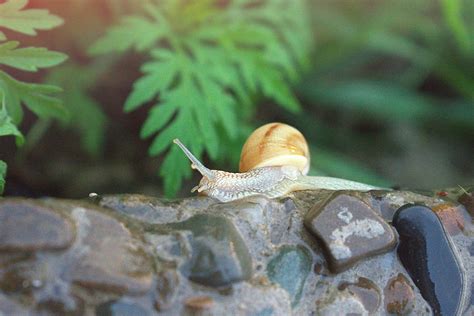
[(451, 218), (10, 307), (107, 256), (399, 296), (120, 308), (199, 302), (167, 287), (29, 226), (366, 291), (467, 199), (349, 230), (132, 254), (219, 255), (341, 303), (289, 269), (426, 253)]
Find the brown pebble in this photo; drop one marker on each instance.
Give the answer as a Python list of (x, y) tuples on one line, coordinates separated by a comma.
[(366, 291), (468, 201), (451, 218), (399, 295), (199, 302)]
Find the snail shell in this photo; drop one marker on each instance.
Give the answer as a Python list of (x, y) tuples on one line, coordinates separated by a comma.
[(275, 144)]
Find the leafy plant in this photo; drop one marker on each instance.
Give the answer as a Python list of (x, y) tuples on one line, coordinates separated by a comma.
[(39, 98), (207, 62)]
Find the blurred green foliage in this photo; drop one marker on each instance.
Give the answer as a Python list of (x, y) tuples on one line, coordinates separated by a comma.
[(39, 98)]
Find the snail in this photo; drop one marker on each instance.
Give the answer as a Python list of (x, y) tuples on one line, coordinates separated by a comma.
[(274, 161)]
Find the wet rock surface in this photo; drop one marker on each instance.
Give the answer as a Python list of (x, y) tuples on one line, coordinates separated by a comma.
[(133, 254), (429, 258)]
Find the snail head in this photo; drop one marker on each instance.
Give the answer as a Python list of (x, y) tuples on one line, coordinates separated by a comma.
[(208, 175)]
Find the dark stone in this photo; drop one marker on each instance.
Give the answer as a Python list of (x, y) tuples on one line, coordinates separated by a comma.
[(290, 268), (53, 307), (426, 253), (119, 308), (349, 230), (399, 296), (28, 226), (367, 292), (219, 254), (108, 256)]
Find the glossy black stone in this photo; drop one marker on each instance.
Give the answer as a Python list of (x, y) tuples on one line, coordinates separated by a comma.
[(426, 253)]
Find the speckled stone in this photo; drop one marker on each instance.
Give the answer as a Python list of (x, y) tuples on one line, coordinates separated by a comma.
[(426, 253), (289, 269), (399, 295), (28, 226), (349, 230), (219, 255)]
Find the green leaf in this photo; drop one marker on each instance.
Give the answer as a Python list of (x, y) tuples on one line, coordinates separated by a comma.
[(453, 10), (133, 32), (37, 97), (207, 64), (159, 115), (3, 174), (29, 58), (86, 114), (158, 76), (384, 100), (26, 21), (8, 128), (329, 163)]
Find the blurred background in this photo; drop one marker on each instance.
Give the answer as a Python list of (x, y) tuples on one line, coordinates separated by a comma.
[(382, 90)]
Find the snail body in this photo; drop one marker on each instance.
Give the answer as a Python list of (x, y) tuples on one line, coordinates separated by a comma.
[(274, 162)]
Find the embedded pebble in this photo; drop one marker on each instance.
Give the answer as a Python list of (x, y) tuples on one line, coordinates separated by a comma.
[(120, 308), (109, 256), (467, 199), (399, 295), (132, 254), (166, 289), (199, 302), (290, 268), (426, 253), (28, 226), (349, 230), (366, 291), (451, 218), (219, 255)]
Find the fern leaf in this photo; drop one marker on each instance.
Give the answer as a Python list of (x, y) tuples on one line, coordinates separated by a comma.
[(86, 115), (133, 32), (28, 58), (37, 97), (8, 128), (207, 64), (158, 76), (3, 173), (13, 17)]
